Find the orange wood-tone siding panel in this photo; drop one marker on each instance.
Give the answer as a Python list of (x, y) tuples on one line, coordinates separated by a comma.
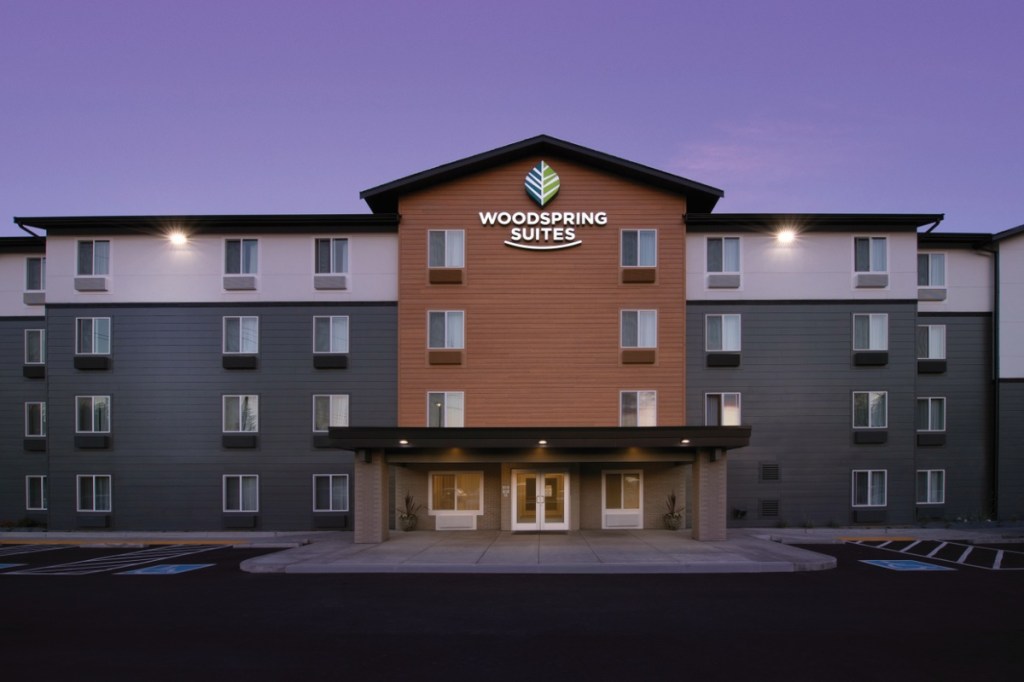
[(542, 328)]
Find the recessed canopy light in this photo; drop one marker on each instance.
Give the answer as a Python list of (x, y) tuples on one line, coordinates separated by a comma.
[(685, 441), (403, 442), (542, 442)]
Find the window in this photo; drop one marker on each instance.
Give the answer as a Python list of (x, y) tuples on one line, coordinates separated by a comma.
[(446, 248), (331, 256), (241, 413), (446, 409), (35, 493), (638, 408), (869, 487), (639, 329), (241, 257), (35, 419), (931, 414), (724, 254), (870, 331), (931, 269), (330, 492), (330, 334), (35, 274), (622, 490), (242, 335), (870, 254), (457, 491), (870, 410), (722, 409), (722, 333), (94, 257), (92, 335), (639, 248), (446, 329), (94, 493), (35, 346), (242, 493), (93, 414), (931, 342), (931, 486), (328, 411)]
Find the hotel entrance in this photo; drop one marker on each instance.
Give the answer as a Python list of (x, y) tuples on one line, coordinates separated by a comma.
[(540, 500)]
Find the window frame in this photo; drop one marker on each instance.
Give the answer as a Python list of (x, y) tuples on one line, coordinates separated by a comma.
[(639, 473), (255, 400), (869, 426), (461, 255), (445, 409), (332, 255), (41, 260), (92, 258), (722, 318), (330, 336), (930, 490), (434, 511), (43, 492), (241, 478), (241, 241), (330, 487), (724, 269), (722, 407), (639, 232), (871, 317), (929, 256), (241, 334), (42, 419), (92, 410), (639, 312), (446, 314), (871, 265), (640, 408), (94, 335), (330, 409), (941, 401), (929, 327), (41, 343), (94, 478), (870, 487)]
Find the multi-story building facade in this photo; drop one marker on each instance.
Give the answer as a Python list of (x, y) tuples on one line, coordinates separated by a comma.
[(540, 337)]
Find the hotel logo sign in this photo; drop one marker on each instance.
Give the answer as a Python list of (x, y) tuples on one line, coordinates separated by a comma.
[(543, 230)]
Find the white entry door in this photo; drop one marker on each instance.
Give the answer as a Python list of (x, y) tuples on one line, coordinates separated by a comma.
[(540, 500)]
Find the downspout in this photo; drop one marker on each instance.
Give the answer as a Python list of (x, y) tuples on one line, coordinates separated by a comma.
[(995, 381), (25, 229), (934, 225)]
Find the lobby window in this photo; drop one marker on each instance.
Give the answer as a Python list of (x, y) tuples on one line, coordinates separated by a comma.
[(870, 254), (931, 486), (93, 257), (639, 248), (446, 329), (330, 492), (94, 493), (456, 492), (622, 490), (638, 408), (724, 255), (35, 419), (241, 256), (931, 414), (35, 493), (242, 493), (931, 342), (35, 346), (92, 336), (931, 270), (639, 329), (869, 487), (241, 413), (328, 411), (446, 409), (92, 414), (722, 333), (331, 256), (35, 274), (722, 409), (330, 334), (242, 335), (870, 409), (870, 332), (446, 248)]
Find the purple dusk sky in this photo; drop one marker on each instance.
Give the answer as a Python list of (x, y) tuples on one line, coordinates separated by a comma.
[(255, 106)]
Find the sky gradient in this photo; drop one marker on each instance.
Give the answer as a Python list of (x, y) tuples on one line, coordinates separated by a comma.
[(115, 107)]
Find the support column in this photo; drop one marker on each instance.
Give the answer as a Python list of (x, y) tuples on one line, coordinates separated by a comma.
[(709, 489), (371, 497)]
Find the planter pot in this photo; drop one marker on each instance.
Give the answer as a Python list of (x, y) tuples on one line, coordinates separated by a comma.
[(673, 521), (407, 522)]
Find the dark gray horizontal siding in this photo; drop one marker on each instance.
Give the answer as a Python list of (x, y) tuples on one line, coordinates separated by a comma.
[(166, 386), (1011, 450)]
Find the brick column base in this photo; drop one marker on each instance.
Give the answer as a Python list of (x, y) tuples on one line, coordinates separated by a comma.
[(370, 491), (709, 489)]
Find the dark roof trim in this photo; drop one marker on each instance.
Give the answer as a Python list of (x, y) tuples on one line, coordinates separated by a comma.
[(22, 245), (560, 438), (1005, 234), (384, 198), (816, 222), (954, 240), (216, 224)]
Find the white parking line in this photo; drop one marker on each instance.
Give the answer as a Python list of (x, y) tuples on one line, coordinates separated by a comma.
[(937, 549), (118, 561)]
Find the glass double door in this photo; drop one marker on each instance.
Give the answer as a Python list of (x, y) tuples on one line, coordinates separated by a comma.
[(540, 500)]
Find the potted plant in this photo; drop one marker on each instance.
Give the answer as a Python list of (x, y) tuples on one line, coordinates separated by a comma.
[(674, 516), (407, 514)]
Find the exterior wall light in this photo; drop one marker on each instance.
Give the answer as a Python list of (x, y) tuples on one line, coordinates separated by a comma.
[(178, 238), (786, 236)]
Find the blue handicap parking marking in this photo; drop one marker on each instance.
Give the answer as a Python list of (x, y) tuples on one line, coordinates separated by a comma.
[(906, 565), (3, 566), (165, 569)]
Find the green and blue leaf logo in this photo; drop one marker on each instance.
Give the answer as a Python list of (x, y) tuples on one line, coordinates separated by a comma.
[(542, 183)]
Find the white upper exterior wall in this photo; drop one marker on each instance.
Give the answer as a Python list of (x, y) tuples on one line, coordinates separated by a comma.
[(968, 282), (12, 287), (1011, 308), (817, 265), (149, 269)]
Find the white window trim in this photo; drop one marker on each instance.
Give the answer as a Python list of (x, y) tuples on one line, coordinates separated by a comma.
[(348, 334), (871, 265), (224, 334), (637, 393), (78, 492), (42, 492), (92, 411), (334, 268), (622, 246), (446, 232), (945, 269), (42, 415), (42, 346), (224, 412), (78, 340), (446, 346), (870, 317), (739, 255), (224, 257), (454, 512), (928, 489), (929, 327), (604, 492), (331, 488), (331, 396), (42, 273), (707, 345), (224, 494), (853, 410), (638, 311), (853, 488), (739, 403), (445, 407), (944, 415), (110, 258)]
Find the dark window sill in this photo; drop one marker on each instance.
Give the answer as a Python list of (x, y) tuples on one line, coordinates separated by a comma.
[(639, 356), (931, 366), (723, 359), (444, 357), (92, 362), (639, 275), (330, 361), (871, 358), (34, 371), (231, 361), (240, 440), (36, 444), (873, 437), (446, 275)]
